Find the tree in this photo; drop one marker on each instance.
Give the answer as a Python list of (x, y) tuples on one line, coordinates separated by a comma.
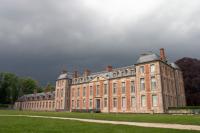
[(49, 88), (191, 76), (12, 87), (9, 88), (28, 85)]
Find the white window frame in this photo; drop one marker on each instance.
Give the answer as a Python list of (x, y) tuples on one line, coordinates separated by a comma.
[(155, 101), (143, 101), (152, 68), (142, 84), (141, 69)]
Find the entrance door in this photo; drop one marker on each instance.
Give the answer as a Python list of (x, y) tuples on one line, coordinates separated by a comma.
[(98, 104)]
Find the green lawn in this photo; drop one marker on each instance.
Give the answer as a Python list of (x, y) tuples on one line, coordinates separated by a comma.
[(42, 125), (156, 118)]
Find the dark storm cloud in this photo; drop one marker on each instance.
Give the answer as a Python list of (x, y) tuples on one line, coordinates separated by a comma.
[(39, 38)]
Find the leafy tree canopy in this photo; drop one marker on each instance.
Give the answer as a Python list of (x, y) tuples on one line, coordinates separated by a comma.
[(191, 76), (12, 87)]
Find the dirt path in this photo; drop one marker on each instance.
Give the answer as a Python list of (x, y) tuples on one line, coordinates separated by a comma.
[(140, 124)]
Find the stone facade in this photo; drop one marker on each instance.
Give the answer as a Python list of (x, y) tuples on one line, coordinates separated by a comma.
[(150, 86)]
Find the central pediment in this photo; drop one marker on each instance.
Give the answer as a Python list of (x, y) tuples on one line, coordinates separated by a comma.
[(98, 78)]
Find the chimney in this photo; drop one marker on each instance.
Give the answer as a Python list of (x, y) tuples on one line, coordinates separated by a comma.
[(162, 55), (86, 72), (64, 71), (109, 68), (75, 75)]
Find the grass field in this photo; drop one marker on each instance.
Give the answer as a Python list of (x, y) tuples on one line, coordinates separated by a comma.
[(156, 118), (41, 125)]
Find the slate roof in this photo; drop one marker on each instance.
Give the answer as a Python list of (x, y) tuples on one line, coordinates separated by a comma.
[(115, 73), (148, 56), (38, 96), (65, 76), (174, 65)]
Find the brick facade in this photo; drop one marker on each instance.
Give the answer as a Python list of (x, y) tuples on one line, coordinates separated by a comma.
[(150, 86)]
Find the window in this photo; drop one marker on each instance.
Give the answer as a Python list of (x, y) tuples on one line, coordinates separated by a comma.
[(114, 74), (97, 90), (152, 68), (123, 88), (114, 88), (142, 84), (84, 91), (78, 92), (143, 100), (105, 89), (61, 103), (133, 102), (61, 93), (117, 73), (84, 103), (72, 103), (154, 100), (141, 69), (91, 91), (132, 87), (122, 73), (114, 102), (57, 92), (153, 83), (90, 103), (105, 102), (132, 72), (123, 102), (126, 72), (78, 103), (72, 92)]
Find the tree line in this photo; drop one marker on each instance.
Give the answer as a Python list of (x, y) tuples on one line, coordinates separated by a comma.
[(13, 86)]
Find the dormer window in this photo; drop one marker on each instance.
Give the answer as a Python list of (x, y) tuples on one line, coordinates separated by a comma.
[(152, 68), (114, 74), (126, 71), (132, 72), (117, 73), (122, 73)]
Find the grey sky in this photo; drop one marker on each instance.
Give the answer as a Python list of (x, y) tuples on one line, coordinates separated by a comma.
[(40, 37)]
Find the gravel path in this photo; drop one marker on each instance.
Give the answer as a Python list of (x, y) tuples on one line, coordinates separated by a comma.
[(140, 124)]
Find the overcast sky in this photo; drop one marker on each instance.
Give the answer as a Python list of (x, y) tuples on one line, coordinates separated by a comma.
[(39, 38)]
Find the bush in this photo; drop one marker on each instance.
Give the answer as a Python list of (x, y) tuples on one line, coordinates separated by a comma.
[(187, 107), (4, 105)]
